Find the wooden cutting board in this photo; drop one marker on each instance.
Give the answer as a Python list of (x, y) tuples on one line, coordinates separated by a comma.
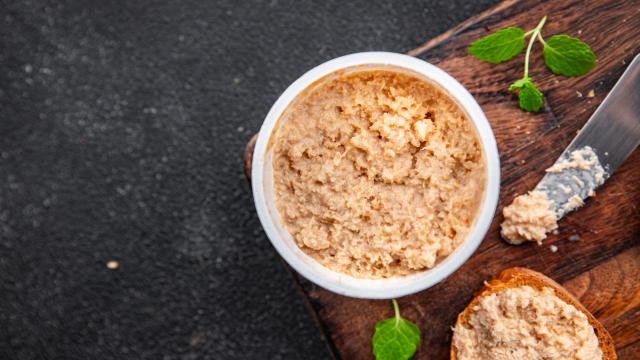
[(602, 268)]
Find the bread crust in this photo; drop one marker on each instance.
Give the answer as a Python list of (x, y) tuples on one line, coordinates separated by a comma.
[(517, 276)]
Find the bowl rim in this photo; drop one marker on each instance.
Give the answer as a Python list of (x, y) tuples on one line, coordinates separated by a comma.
[(344, 284)]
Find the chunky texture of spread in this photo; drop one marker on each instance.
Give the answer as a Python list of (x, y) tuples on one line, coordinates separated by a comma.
[(525, 323), (529, 218), (377, 173)]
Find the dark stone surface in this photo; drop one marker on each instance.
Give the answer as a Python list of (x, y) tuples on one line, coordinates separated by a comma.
[(121, 135)]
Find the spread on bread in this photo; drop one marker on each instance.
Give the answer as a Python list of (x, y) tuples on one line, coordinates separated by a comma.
[(523, 314), (525, 323)]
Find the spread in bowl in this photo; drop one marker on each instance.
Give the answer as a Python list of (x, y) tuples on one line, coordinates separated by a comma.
[(377, 172), (375, 175)]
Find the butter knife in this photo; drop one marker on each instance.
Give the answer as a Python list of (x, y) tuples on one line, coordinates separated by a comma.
[(604, 142)]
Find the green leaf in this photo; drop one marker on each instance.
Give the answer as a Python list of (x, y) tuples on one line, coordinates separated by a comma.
[(529, 96), (395, 338), (500, 46), (568, 56)]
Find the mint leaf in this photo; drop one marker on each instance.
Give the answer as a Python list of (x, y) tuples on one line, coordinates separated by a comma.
[(500, 46), (568, 56), (395, 338), (529, 96)]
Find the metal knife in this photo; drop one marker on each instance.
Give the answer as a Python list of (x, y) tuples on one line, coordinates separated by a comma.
[(611, 135)]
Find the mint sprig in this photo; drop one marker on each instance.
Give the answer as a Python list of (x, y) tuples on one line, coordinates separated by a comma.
[(563, 55), (395, 338)]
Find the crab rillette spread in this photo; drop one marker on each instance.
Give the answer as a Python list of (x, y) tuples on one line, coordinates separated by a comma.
[(525, 323), (377, 173)]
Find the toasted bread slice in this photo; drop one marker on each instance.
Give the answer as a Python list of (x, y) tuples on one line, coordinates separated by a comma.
[(514, 277)]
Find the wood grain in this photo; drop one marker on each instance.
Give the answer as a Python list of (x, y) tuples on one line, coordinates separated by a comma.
[(603, 268)]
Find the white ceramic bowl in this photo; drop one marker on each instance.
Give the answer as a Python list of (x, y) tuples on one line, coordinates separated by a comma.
[(262, 184)]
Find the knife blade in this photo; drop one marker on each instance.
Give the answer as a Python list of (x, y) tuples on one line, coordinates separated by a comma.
[(604, 142)]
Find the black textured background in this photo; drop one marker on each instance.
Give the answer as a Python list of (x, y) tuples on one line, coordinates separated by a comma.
[(122, 125)]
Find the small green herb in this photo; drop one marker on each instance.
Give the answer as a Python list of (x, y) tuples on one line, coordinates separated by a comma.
[(564, 55), (529, 96), (568, 56), (395, 338), (499, 46)]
